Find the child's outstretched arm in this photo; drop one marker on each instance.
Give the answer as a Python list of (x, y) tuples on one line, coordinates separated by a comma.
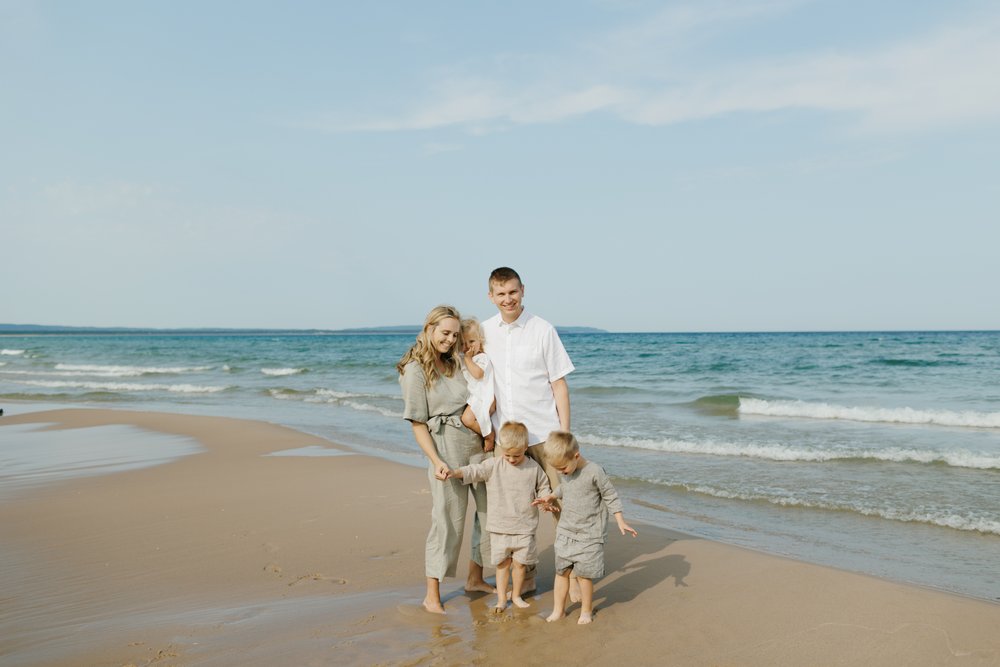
[(546, 503), (624, 527), (474, 472)]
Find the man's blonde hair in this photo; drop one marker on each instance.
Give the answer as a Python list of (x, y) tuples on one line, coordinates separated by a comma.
[(513, 435), (560, 447)]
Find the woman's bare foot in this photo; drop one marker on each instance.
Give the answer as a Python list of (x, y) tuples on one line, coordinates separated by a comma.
[(519, 601), (479, 587), (434, 606), (585, 618), (556, 615), (500, 607)]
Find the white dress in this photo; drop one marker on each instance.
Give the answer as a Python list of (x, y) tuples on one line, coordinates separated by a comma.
[(481, 392)]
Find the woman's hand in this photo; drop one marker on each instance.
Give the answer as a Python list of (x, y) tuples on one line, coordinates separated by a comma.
[(426, 442)]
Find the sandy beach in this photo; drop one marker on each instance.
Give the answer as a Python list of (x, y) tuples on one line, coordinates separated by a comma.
[(230, 556)]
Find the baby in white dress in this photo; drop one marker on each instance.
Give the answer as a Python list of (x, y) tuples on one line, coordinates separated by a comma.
[(478, 374)]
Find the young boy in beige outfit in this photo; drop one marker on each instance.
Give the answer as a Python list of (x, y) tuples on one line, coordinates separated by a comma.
[(513, 482)]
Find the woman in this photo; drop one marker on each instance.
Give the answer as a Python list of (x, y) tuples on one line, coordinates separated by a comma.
[(435, 395)]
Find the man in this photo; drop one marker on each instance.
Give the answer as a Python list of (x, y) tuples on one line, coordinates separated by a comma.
[(530, 366)]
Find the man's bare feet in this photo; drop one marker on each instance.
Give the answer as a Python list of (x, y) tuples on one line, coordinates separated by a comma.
[(556, 615), (479, 587), (519, 601), (434, 606), (585, 618)]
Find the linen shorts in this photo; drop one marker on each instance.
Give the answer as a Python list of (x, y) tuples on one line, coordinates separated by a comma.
[(520, 547), (585, 558)]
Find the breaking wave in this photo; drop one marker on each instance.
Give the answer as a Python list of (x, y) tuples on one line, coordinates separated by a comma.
[(806, 410), (779, 452)]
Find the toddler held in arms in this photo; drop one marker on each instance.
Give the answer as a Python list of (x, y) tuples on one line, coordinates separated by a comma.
[(513, 483), (478, 374), (586, 496)]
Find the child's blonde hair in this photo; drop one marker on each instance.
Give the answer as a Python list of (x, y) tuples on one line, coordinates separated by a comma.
[(560, 447), (473, 323), (513, 435)]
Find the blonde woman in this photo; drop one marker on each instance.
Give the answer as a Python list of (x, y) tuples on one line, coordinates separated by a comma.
[(434, 396)]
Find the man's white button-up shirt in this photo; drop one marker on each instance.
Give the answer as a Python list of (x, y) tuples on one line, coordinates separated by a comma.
[(527, 356)]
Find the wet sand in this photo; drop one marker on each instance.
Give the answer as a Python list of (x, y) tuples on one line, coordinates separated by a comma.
[(232, 557)]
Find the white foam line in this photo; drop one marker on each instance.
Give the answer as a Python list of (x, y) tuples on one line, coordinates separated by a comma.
[(125, 386), (802, 409), (128, 371), (779, 452), (970, 524)]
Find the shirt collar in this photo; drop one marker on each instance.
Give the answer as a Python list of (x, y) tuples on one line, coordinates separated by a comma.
[(521, 320)]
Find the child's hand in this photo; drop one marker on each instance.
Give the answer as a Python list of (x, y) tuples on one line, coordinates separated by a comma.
[(625, 528), (442, 472), (545, 502), (472, 349)]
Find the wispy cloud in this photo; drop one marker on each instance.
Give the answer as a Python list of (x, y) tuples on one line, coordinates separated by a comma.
[(74, 198), (633, 73), (944, 79)]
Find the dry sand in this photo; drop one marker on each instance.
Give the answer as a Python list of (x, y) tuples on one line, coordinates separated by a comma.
[(231, 557)]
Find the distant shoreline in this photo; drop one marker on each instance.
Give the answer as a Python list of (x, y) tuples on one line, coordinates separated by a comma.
[(11, 330), (47, 330)]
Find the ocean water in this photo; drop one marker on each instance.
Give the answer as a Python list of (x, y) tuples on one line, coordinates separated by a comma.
[(872, 452)]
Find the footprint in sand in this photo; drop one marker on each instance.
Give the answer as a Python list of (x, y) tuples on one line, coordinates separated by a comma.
[(317, 577)]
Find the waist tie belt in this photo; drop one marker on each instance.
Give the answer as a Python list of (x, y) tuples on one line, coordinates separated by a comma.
[(436, 423)]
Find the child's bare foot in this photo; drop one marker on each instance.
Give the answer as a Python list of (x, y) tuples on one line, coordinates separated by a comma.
[(585, 618), (556, 615), (501, 607), (574, 589), (479, 587), (434, 606), (519, 601)]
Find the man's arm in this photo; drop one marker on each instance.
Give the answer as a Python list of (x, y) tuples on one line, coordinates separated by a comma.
[(560, 390)]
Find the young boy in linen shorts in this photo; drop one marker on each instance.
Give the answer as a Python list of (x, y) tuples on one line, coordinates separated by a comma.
[(513, 482), (587, 496)]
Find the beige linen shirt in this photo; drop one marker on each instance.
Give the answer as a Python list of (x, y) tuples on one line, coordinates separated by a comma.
[(509, 492)]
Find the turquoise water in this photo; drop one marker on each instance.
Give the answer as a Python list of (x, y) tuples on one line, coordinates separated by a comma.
[(874, 452)]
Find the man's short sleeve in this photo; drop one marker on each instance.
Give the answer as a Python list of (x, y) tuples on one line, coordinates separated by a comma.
[(414, 393), (557, 361)]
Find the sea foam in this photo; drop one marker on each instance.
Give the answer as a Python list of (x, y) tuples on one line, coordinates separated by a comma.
[(279, 372), (344, 398), (935, 518), (777, 452), (806, 410), (125, 386), (130, 371)]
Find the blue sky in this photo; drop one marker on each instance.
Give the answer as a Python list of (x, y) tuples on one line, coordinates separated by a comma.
[(674, 166)]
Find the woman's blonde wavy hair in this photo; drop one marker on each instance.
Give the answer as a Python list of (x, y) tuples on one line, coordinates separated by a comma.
[(423, 352)]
